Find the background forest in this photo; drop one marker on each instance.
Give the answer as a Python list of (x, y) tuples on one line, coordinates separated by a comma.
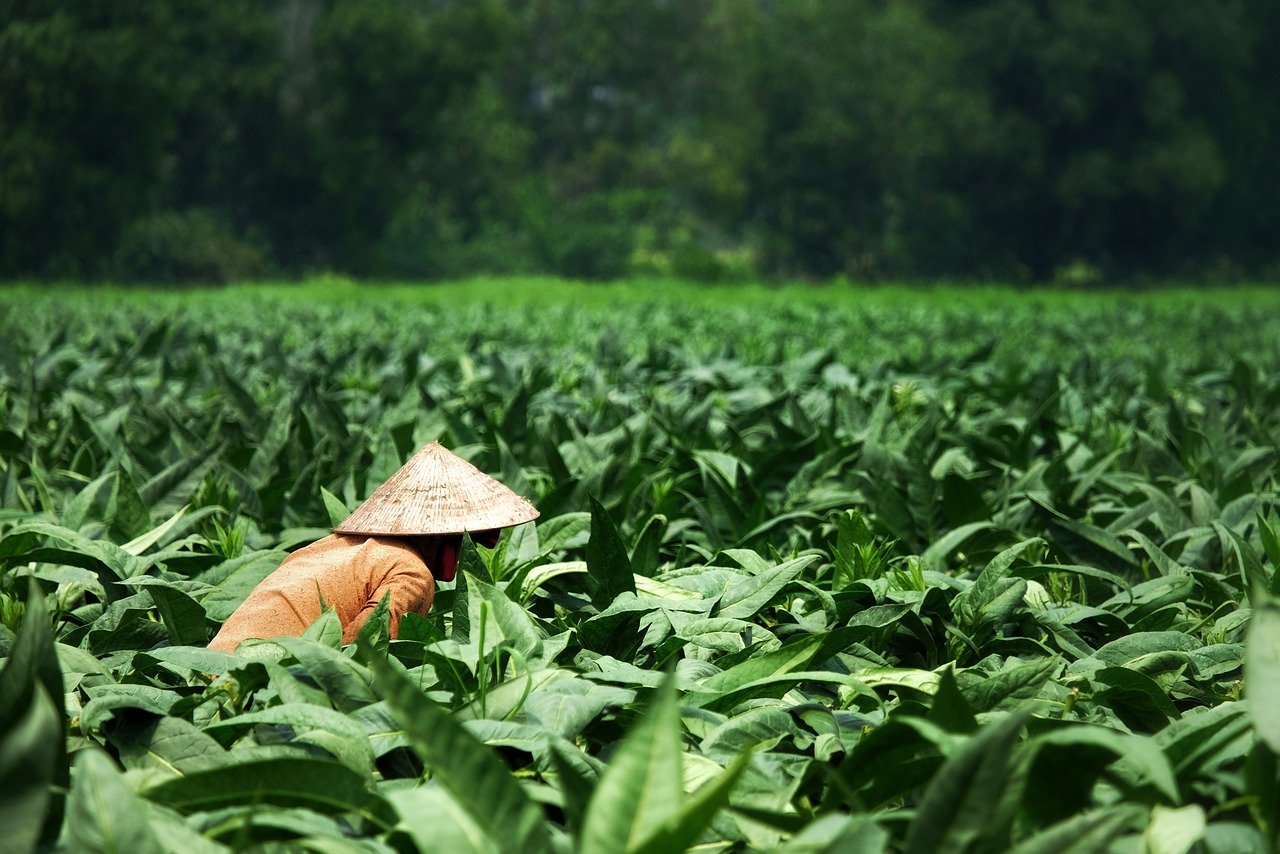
[(1080, 141)]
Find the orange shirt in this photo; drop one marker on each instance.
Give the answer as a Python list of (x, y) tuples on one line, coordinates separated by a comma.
[(350, 573)]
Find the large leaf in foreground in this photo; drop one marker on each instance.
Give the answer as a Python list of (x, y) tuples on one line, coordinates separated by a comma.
[(103, 813), (639, 804), (283, 781), (472, 773), (1085, 833), (641, 788), (697, 812), (838, 833), (28, 755), (435, 821), (32, 714), (957, 807), (1262, 673)]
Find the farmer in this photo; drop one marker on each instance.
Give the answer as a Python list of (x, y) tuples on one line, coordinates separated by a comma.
[(397, 544)]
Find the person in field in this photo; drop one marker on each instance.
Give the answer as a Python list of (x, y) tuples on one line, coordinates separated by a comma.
[(397, 544)]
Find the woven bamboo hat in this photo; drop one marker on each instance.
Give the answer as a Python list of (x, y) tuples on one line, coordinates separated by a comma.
[(438, 492)]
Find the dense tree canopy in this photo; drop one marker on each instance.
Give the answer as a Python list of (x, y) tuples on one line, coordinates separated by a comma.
[(1020, 139)]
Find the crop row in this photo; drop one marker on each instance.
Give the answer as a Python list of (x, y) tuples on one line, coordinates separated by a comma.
[(924, 578)]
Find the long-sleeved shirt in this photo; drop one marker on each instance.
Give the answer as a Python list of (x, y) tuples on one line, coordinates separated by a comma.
[(350, 573)]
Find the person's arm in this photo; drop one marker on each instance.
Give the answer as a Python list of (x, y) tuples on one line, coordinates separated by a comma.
[(410, 587)]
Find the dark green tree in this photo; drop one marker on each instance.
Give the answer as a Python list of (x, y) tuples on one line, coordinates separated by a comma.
[(867, 120), (87, 112)]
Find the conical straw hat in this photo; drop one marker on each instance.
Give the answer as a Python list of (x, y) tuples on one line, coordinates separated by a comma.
[(438, 492)]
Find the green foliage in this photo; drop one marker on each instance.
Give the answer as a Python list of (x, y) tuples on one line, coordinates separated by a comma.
[(33, 758), (875, 575)]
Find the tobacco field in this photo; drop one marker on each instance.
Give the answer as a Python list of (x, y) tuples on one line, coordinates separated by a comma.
[(915, 574)]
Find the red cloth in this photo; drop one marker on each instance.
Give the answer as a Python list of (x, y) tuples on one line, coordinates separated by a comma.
[(350, 573)]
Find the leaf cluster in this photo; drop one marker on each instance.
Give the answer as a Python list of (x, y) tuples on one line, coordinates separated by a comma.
[(791, 590)]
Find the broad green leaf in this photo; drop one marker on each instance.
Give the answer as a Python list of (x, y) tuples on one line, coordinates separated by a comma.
[(460, 617), (1137, 698), (540, 575), (234, 579), (103, 813), (788, 657), (1207, 739), (470, 565), (1086, 833), (918, 680), (1102, 543), (182, 615), (333, 505), (30, 744), (986, 692), (77, 509), (351, 747), (576, 780), (640, 790), (952, 540), (564, 531), (1233, 837), (172, 745), (519, 545), (956, 807), (949, 709), (106, 699), (994, 596), (697, 813), (1269, 533), (116, 562), (1262, 784), (31, 705), (470, 561), (127, 516), (1124, 650), (1174, 831), (32, 662), (608, 566), (145, 541), (470, 771), (567, 706), (1070, 759), (513, 624), (645, 553), (172, 486), (344, 682), (893, 759), (771, 686), (1252, 573), (761, 727), (189, 658), (262, 465), (283, 781), (326, 630), (251, 825), (1262, 673), (435, 821), (127, 624), (745, 599), (176, 835), (837, 833)]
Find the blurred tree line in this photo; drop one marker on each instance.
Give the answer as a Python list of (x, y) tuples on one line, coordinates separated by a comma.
[(710, 139)]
